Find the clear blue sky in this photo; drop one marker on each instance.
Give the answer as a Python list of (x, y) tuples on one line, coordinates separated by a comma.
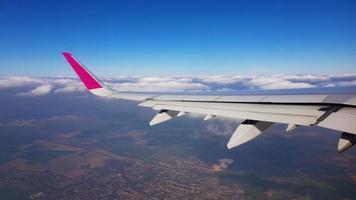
[(178, 37)]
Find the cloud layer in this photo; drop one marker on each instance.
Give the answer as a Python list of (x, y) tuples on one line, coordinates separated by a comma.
[(38, 91), (45, 85)]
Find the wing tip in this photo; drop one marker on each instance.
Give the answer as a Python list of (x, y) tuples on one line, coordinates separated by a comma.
[(66, 53), (89, 80)]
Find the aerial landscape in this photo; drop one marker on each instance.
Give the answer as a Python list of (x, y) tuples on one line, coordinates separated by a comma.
[(78, 146), (59, 141)]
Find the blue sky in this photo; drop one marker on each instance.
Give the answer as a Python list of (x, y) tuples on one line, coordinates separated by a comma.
[(178, 37)]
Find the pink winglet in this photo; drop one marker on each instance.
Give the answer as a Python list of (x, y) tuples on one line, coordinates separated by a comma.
[(88, 79)]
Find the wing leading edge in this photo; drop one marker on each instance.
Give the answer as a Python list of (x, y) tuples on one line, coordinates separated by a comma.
[(258, 112)]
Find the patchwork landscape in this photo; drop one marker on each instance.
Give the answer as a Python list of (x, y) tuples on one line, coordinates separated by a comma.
[(83, 147)]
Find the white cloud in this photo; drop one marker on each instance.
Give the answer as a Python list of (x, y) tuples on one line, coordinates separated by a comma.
[(171, 86), (306, 77), (43, 85), (221, 79), (156, 84), (19, 81), (65, 81), (70, 87), (38, 91), (275, 83), (343, 83), (344, 76), (61, 85), (222, 127)]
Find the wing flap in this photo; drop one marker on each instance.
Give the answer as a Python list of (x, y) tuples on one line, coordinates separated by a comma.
[(342, 120)]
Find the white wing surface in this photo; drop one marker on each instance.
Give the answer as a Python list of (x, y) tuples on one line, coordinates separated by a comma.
[(258, 112)]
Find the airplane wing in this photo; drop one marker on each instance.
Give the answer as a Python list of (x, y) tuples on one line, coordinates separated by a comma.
[(258, 112)]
